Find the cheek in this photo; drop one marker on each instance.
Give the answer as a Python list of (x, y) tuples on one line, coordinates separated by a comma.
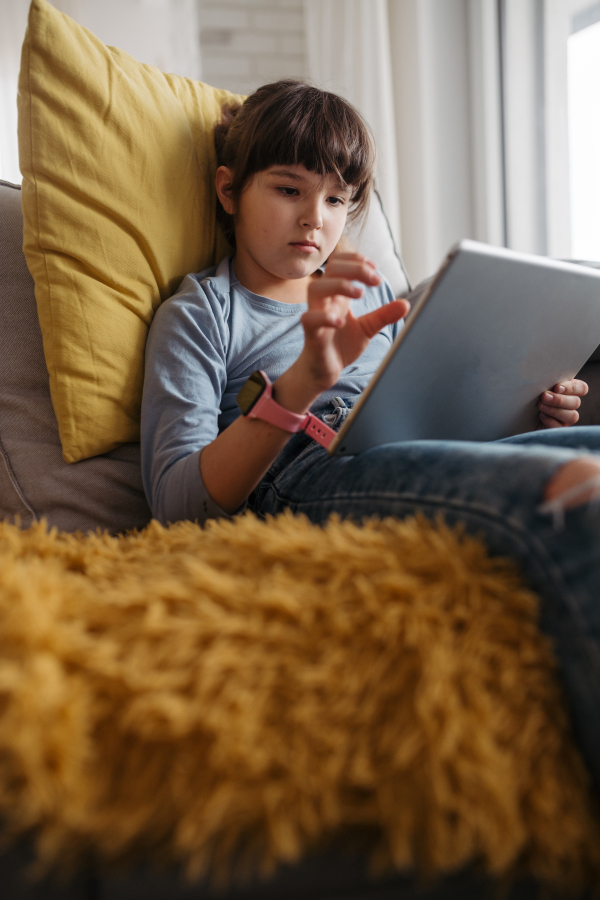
[(274, 218), (335, 223)]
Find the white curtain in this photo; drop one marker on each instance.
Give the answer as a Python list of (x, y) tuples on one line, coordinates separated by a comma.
[(348, 52), (448, 117), (163, 33), (12, 29)]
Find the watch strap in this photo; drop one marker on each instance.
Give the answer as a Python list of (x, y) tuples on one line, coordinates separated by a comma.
[(318, 430), (267, 409)]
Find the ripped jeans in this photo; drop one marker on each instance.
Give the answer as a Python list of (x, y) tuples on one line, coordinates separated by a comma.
[(496, 490)]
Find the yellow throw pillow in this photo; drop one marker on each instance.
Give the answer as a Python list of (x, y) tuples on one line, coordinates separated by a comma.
[(118, 201)]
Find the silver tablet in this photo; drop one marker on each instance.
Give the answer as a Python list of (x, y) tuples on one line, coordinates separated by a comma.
[(492, 330)]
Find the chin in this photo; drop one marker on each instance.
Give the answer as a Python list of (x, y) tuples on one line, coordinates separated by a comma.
[(295, 272)]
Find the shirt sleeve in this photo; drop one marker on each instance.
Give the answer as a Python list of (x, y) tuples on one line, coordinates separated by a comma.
[(185, 376)]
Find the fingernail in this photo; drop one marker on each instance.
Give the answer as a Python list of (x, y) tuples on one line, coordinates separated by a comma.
[(560, 389), (548, 397)]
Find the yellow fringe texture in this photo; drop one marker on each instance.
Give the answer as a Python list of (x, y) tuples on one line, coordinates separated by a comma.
[(252, 688)]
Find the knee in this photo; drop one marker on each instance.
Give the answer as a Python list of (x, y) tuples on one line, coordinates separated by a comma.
[(578, 481)]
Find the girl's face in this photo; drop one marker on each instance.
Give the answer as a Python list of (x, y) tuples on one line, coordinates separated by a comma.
[(288, 220)]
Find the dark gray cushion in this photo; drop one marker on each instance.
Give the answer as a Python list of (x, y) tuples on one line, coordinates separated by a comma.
[(589, 414), (103, 492), (595, 357)]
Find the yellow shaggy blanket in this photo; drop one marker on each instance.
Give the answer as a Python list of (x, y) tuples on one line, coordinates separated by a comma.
[(256, 687)]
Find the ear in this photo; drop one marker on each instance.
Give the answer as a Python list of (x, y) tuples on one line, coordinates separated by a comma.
[(223, 180)]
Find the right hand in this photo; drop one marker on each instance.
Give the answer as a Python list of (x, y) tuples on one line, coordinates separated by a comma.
[(558, 406), (333, 337)]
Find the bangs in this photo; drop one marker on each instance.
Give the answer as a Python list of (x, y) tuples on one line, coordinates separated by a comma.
[(320, 132)]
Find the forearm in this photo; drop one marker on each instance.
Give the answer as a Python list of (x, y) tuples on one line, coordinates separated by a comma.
[(234, 463)]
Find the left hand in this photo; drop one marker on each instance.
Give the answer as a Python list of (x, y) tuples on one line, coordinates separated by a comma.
[(558, 407)]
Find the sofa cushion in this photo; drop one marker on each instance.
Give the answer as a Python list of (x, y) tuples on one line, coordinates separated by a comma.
[(35, 481), (374, 238), (118, 198)]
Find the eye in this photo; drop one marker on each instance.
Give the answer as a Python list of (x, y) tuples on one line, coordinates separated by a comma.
[(336, 201), (288, 191)]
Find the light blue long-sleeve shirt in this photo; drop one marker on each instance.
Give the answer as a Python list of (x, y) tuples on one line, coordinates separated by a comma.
[(203, 344)]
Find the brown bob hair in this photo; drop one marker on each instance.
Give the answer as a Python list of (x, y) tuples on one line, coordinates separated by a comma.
[(290, 122)]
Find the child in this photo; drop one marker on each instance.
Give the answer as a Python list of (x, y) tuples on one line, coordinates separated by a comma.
[(294, 162)]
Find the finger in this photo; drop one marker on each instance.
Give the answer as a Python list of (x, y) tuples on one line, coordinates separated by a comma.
[(322, 318), (325, 287), (572, 386), (372, 323), (550, 421), (350, 255), (559, 401), (353, 270), (564, 416)]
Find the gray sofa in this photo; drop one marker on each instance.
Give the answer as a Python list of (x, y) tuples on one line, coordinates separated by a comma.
[(106, 492), (35, 481)]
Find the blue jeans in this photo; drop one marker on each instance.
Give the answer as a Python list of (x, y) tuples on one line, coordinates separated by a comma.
[(496, 490)]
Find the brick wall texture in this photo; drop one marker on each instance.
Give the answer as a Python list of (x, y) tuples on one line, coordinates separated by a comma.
[(246, 43)]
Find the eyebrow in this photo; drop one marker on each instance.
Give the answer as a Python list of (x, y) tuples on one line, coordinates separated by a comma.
[(293, 176), (285, 173)]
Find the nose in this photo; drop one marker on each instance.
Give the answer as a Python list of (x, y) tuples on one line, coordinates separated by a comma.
[(312, 214)]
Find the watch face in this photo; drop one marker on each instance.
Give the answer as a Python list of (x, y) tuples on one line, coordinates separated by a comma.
[(251, 392)]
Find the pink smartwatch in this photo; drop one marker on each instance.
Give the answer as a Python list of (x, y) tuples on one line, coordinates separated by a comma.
[(256, 401)]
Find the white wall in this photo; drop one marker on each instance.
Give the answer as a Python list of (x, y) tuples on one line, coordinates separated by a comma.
[(246, 43), (163, 33)]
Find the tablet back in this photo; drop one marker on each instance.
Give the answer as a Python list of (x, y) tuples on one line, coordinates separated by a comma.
[(494, 329)]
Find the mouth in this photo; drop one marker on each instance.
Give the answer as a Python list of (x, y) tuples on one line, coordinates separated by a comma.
[(305, 246)]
